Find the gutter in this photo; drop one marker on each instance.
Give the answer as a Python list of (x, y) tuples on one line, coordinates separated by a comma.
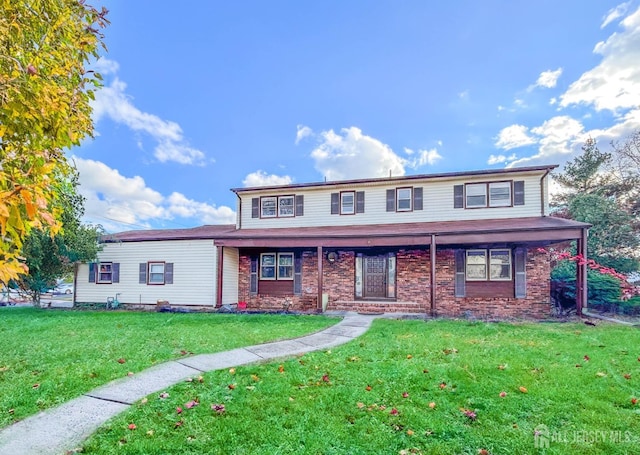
[(542, 191)]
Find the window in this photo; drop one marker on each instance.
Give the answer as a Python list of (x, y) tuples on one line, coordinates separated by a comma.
[(268, 266), (500, 194), (105, 272), (286, 206), (498, 267), (156, 273), (347, 203), (493, 194), (268, 207), (403, 198), (276, 266), (285, 266), (476, 195)]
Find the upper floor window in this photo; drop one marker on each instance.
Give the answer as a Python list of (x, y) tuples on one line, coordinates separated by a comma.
[(488, 265), (493, 194), (105, 272), (276, 266), (347, 202), (403, 199), (156, 273), (277, 206)]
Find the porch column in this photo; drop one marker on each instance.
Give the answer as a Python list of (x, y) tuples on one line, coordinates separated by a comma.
[(319, 303), (581, 274), (220, 263), (432, 251)]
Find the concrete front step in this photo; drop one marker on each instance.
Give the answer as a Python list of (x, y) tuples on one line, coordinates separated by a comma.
[(374, 307)]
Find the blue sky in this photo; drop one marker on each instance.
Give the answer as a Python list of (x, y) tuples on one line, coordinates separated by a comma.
[(204, 96)]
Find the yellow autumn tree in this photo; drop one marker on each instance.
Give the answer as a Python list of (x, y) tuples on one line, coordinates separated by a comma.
[(45, 90)]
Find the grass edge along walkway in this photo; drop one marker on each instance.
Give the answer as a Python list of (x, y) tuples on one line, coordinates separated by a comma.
[(65, 427)]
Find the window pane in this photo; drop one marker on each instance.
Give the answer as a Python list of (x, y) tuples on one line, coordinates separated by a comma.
[(476, 265), (104, 275), (500, 194), (347, 203), (268, 266), (476, 195), (268, 207), (404, 199), (286, 206), (285, 266), (500, 264)]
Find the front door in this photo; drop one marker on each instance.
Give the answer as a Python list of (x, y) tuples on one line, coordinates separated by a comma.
[(375, 276)]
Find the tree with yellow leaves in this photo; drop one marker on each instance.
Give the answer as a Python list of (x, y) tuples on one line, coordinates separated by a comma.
[(45, 92)]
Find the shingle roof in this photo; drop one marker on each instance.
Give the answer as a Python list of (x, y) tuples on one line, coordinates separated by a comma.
[(200, 232)]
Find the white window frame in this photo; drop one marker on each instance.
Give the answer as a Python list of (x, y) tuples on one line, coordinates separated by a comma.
[(286, 266), (153, 276), (273, 266), (347, 208), (105, 268), (500, 202), (272, 200), (475, 190), (474, 253), (409, 199), (288, 209), (488, 263), (500, 264)]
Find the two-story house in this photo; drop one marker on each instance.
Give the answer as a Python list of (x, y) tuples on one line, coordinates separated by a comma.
[(451, 244)]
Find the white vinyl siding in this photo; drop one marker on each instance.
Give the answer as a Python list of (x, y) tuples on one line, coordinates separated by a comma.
[(194, 273), (437, 195), (230, 263)]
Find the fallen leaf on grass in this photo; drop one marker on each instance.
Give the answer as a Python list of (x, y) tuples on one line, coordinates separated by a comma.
[(393, 412), (626, 376), (132, 426), (255, 377), (121, 360), (523, 389), (360, 405), (232, 371), (600, 374), (409, 356), (35, 386), (281, 369), (410, 432), (634, 400), (178, 410), (368, 388), (432, 405), (586, 358), (405, 395), (163, 395), (178, 424), (325, 378), (191, 404), (150, 433), (471, 415), (219, 408), (231, 386), (144, 401), (443, 385), (503, 394)]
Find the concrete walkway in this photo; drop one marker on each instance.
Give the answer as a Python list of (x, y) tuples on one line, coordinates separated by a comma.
[(66, 427)]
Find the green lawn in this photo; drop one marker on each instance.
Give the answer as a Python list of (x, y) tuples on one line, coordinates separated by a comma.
[(50, 356), (408, 387)]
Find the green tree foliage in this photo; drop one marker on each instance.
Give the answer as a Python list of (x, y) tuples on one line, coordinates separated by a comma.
[(44, 108), (599, 189), (48, 256)]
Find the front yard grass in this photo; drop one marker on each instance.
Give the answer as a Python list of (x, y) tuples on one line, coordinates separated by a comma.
[(408, 387), (49, 356)]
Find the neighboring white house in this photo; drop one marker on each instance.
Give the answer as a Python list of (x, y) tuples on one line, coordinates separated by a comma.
[(179, 266)]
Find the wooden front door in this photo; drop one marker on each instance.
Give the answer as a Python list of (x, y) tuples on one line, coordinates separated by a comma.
[(375, 276)]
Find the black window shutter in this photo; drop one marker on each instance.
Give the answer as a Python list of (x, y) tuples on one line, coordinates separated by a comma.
[(520, 265), (253, 284), (142, 274), (335, 203), (417, 198), (359, 201), (391, 200), (518, 192), (92, 272), (460, 275), (299, 205), (115, 272), (458, 196), (297, 275), (168, 273), (255, 207)]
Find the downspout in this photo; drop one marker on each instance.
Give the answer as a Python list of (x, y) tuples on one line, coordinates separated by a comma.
[(433, 274), (219, 266), (320, 258), (542, 191), (239, 215)]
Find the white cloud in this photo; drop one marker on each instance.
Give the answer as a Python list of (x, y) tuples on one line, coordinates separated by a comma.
[(105, 66), (112, 199), (303, 131), (497, 159), (261, 178), (112, 102), (557, 138), (615, 13), (549, 78), (421, 157), (614, 84), (514, 136)]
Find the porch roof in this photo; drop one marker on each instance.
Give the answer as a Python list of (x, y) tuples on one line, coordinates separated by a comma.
[(541, 230)]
